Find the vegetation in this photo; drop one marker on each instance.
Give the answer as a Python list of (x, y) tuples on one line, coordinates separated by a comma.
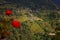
[(35, 24)]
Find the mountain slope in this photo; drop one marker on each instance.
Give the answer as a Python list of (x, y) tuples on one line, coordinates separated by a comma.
[(32, 4)]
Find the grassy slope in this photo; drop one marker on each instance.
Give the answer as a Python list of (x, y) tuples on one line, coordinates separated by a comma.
[(35, 27)]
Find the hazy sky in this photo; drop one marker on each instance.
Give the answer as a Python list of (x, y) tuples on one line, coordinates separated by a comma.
[(57, 1)]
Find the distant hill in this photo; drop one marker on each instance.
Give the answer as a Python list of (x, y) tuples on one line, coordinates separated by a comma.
[(33, 4)]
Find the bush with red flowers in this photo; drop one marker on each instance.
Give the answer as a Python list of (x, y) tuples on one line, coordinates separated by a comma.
[(6, 25)]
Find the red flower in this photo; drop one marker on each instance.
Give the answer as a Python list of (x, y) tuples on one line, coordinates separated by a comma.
[(16, 24), (8, 12)]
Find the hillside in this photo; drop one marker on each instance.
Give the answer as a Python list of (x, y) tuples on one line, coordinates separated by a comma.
[(32, 4), (38, 19)]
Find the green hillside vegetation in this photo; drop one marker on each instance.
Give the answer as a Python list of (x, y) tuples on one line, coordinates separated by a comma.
[(36, 25)]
